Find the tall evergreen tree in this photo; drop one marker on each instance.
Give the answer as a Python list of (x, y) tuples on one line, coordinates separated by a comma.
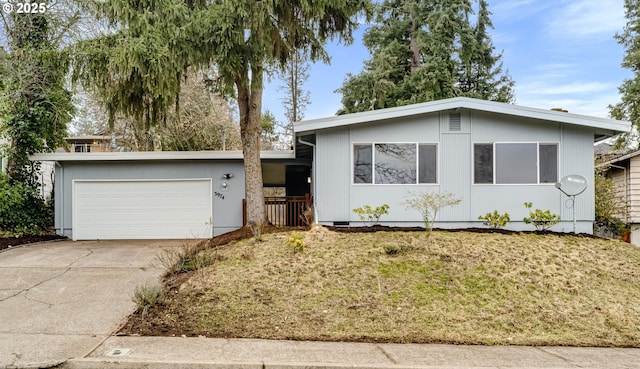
[(427, 50), (35, 106), (138, 69), (629, 106)]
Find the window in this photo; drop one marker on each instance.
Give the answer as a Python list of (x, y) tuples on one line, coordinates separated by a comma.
[(515, 163), (82, 147), (483, 163), (428, 162), (362, 163), (548, 163), (395, 163)]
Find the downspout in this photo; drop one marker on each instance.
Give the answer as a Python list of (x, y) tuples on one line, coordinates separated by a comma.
[(626, 194), (61, 200), (313, 175)]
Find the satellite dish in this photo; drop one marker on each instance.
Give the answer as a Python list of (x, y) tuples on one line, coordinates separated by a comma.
[(572, 185)]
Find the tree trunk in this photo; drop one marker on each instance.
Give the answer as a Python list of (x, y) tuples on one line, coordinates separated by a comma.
[(250, 108)]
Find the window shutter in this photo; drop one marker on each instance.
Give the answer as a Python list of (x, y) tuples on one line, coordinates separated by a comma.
[(455, 122)]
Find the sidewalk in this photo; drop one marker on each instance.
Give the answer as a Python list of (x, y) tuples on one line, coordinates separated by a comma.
[(211, 353)]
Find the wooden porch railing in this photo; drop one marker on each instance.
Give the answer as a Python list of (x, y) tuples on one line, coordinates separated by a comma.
[(283, 211)]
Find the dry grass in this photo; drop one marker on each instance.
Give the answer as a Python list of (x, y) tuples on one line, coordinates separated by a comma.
[(461, 287)]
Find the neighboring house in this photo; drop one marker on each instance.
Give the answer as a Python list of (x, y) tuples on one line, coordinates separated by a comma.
[(625, 173), (494, 156), (90, 143), (491, 155)]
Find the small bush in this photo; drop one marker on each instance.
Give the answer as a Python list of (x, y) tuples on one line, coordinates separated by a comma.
[(146, 296), (186, 258), (295, 242), (22, 210), (430, 203), (370, 216), (495, 219), (393, 249), (542, 220)]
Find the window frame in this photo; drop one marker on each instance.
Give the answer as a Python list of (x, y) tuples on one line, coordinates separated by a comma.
[(373, 162), (537, 183)]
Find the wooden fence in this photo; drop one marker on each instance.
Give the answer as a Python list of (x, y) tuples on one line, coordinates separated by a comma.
[(283, 211)]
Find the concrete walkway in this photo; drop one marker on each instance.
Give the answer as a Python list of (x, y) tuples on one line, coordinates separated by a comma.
[(60, 300), (210, 353)]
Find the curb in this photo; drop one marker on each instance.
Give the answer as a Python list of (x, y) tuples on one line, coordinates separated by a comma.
[(102, 363)]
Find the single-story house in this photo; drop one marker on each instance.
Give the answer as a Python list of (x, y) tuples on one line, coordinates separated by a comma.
[(160, 195), (625, 173), (494, 156)]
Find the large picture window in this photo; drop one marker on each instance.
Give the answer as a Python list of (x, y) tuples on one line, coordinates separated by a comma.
[(515, 163), (395, 163)]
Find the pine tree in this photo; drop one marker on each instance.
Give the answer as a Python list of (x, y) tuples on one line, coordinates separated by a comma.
[(138, 69), (422, 51), (629, 106)]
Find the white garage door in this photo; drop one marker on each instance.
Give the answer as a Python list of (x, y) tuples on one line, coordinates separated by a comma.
[(142, 209)]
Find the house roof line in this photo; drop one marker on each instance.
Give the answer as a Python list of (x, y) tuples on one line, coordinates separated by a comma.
[(618, 159), (461, 103), (158, 155)]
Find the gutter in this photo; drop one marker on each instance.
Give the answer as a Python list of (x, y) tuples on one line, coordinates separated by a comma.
[(61, 201), (313, 178)]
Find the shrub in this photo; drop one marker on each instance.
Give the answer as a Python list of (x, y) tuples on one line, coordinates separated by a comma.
[(370, 216), (495, 219), (430, 203), (187, 258), (610, 205), (22, 210), (542, 220), (394, 248), (146, 296), (295, 242)]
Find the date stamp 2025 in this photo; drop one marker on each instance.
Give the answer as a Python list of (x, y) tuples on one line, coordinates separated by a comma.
[(24, 7)]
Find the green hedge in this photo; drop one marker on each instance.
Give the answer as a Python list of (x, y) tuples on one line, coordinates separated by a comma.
[(22, 209)]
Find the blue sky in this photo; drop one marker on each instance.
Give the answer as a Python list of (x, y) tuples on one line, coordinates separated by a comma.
[(560, 53)]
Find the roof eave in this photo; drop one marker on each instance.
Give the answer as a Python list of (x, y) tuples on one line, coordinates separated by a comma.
[(158, 155), (461, 103)]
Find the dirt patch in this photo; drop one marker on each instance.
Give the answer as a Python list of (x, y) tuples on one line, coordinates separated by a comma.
[(380, 228), (6, 242), (245, 232)]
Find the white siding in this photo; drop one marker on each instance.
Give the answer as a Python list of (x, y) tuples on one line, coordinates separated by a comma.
[(455, 169), (334, 175), (576, 157), (455, 175)]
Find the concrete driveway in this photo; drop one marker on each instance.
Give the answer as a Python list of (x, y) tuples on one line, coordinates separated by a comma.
[(60, 300)]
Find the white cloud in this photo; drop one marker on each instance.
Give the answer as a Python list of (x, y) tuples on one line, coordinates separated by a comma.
[(586, 19)]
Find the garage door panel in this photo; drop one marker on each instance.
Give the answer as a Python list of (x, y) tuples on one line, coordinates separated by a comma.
[(142, 209)]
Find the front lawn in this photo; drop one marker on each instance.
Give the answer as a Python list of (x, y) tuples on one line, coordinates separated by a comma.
[(454, 287)]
